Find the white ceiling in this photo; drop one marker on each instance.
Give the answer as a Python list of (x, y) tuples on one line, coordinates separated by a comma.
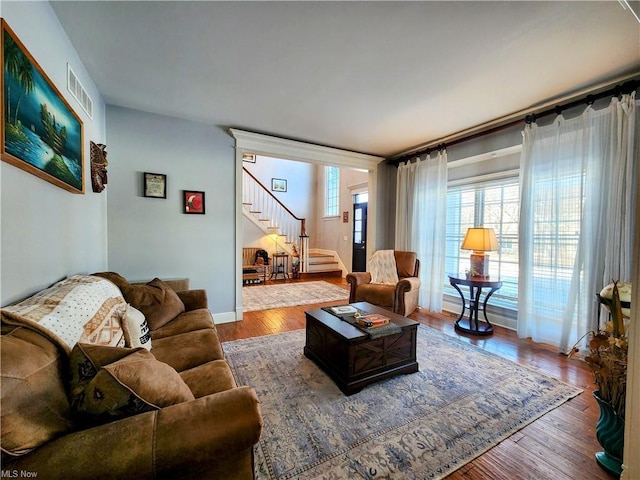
[(373, 77)]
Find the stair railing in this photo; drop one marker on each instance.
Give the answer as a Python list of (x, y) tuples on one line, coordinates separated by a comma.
[(275, 216)]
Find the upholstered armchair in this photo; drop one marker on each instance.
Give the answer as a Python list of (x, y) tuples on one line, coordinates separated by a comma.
[(401, 298)]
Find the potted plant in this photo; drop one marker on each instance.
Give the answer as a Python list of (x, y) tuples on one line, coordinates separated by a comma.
[(608, 354)]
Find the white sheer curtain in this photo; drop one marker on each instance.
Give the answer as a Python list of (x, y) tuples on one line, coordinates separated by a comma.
[(421, 201), (576, 219)]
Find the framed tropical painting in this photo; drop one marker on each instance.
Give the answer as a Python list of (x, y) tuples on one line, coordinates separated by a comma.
[(41, 134)]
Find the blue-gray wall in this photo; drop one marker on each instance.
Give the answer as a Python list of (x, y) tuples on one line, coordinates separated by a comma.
[(46, 232), (151, 237)]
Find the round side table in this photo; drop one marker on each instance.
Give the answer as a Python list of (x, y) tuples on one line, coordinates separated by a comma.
[(280, 266), (472, 324)]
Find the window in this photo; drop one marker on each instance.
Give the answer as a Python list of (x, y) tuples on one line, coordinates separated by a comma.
[(492, 204), (361, 197), (331, 191)]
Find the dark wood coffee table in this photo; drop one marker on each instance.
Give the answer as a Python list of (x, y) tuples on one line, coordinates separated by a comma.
[(353, 359)]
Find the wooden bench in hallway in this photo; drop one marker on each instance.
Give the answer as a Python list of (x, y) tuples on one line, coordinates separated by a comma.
[(252, 272)]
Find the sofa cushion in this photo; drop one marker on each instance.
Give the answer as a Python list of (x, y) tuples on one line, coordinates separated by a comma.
[(156, 300), (185, 322), (136, 329), (212, 377), (110, 383), (81, 308), (35, 406), (188, 350)]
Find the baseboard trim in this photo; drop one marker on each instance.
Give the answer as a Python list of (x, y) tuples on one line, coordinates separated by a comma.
[(328, 273), (224, 317)]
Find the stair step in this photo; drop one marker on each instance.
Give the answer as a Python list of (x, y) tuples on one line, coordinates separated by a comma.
[(322, 267), (323, 262), (247, 203), (255, 211), (327, 273), (320, 255)]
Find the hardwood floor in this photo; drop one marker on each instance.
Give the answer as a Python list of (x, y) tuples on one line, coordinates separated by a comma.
[(559, 445)]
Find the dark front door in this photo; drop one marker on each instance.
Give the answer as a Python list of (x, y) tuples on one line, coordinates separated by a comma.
[(359, 256)]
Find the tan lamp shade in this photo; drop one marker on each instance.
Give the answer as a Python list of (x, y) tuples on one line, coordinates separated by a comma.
[(480, 240)]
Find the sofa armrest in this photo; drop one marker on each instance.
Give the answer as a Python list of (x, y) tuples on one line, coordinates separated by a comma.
[(194, 299), (173, 442), (224, 424)]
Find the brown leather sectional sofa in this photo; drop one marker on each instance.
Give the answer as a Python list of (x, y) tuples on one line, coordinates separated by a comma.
[(209, 435)]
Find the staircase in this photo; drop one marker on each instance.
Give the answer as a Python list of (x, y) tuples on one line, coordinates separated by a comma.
[(325, 263), (270, 215)]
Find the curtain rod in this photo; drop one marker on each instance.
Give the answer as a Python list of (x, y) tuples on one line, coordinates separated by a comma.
[(624, 88)]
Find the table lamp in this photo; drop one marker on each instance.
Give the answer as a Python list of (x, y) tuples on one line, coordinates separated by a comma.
[(480, 240), (275, 239)]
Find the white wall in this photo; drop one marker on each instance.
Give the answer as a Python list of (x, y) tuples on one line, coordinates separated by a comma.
[(300, 196), (332, 232), (300, 177), (151, 237), (49, 233)]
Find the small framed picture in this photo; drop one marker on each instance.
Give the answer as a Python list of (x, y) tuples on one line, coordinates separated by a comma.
[(155, 185), (249, 157), (278, 185), (193, 202)]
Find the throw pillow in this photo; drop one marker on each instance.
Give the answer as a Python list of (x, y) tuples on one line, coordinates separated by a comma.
[(156, 300), (136, 329), (109, 383), (115, 278)]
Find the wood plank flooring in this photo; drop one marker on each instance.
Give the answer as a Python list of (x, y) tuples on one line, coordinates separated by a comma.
[(560, 445)]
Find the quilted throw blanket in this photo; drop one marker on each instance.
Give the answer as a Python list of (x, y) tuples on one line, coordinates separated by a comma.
[(382, 267), (81, 308)]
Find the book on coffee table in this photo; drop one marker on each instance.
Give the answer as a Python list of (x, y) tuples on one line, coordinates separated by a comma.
[(373, 320), (344, 310)]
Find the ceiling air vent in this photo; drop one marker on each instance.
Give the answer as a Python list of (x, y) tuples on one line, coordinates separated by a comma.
[(79, 93)]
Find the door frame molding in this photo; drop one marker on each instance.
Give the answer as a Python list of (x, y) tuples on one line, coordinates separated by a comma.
[(267, 145)]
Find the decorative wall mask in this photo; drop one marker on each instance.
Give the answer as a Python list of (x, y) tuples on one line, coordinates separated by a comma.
[(98, 166)]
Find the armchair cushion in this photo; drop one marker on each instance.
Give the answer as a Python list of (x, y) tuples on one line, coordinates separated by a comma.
[(376, 294), (406, 263)]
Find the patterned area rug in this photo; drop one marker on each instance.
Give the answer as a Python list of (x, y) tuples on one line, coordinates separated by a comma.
[(264, 297), (462, 402)]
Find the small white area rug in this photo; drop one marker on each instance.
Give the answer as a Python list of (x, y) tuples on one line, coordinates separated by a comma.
[(265, 297)]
